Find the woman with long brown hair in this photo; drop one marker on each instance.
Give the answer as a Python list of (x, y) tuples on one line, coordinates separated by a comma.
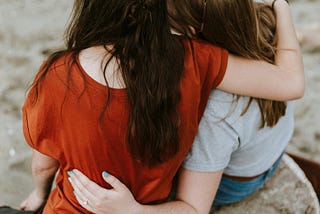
[(126, 96)]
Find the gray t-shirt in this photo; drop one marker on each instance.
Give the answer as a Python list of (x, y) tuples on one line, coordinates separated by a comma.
[(226, 140)]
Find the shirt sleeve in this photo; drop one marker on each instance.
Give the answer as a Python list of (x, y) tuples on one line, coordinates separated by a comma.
[(212, 64), (223, 67), (215, 141), (212, 60), (40, 120)]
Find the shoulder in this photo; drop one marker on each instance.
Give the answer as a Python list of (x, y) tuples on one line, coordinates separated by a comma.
[(55, 74), (50, 79), (207, 60), (59, 66), (201, 48)]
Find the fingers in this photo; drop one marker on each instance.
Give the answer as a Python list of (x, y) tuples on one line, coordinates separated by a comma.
[(113, 181), (85, 203), (32, 202), (97, 199), (83, 183), (84, 188), (23, 205)]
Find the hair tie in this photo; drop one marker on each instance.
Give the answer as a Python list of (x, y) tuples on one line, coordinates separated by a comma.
[(204, 11)]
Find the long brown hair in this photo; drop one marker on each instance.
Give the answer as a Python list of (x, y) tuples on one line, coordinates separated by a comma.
[(243, 27), (151, 62)]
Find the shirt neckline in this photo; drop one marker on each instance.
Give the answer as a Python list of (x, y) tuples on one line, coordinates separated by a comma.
[(96, 84)]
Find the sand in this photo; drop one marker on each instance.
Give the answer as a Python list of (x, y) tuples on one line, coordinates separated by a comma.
[(30, 29)]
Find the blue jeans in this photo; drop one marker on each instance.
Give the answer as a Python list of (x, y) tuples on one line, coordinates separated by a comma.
[(231, 191)]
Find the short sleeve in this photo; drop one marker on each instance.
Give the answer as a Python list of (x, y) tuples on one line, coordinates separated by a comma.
[(222, 68), (40, 120), (212, 61), (212, 64), (214, 144)]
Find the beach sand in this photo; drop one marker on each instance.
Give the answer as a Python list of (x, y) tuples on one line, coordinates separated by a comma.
[(30, 29)]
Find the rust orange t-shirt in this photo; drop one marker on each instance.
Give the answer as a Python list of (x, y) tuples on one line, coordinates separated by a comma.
[(64, 125)]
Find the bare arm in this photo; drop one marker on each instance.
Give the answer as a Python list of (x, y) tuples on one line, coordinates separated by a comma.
[(195, 194), (282, 81), (44, 169)]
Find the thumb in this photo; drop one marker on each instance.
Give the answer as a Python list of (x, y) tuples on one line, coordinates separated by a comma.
[(23, 205), (113, 181)]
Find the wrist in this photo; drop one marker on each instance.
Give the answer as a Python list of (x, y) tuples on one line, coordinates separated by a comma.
[(274, 2), (41, 194), (137, 208)]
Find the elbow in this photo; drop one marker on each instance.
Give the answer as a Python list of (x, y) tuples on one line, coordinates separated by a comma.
[(299, 86), (299, 89), (300, 93), (294, 94), (295, 86), (42, 168)]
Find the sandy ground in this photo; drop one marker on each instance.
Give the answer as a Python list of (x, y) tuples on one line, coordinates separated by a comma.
[(29, 29)]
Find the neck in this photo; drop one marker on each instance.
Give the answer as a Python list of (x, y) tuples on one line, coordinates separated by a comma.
[(93, 60)]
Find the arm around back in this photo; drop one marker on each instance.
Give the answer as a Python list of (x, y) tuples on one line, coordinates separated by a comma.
[(282, 81), (198, 189)]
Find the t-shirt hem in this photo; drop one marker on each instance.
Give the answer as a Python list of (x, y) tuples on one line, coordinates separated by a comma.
[(197, 168)]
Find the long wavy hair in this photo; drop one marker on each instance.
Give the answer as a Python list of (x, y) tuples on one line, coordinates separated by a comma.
[(242, 27), (151, 62)]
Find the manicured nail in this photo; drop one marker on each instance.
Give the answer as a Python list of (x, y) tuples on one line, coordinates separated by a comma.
[(69, 179), (70, 173), (105, 174), (75, 171)]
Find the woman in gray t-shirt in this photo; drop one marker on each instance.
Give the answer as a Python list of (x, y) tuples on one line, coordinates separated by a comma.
[(241, 139)]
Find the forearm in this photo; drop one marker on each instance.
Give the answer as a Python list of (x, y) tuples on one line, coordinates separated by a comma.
[(43, 182), (43, 171), (288, 57), (168, 207), (195, 194), (286, 34)]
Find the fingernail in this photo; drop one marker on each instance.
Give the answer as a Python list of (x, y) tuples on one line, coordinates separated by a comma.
[(105, 174), (70, 173), (75, 171), (69, 179)]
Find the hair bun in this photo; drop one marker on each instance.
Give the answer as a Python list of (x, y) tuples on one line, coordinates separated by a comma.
[(141, 10), (149, 4)]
